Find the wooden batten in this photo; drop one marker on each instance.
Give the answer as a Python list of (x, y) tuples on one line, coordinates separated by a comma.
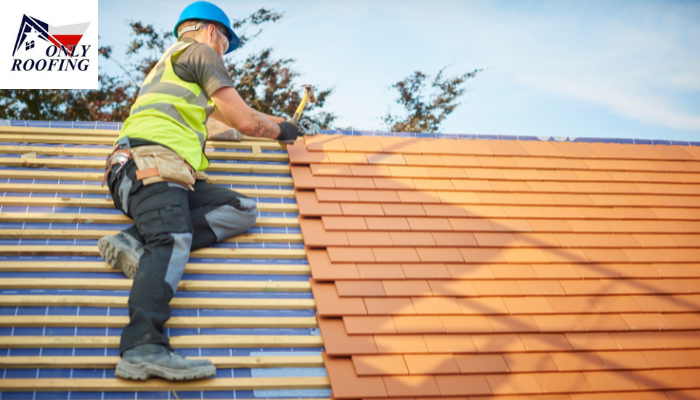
[(184, 342), (111, 362), (107, 203), (96, 234), (99, 164), (119, 284), (115, 219), (192, 268), (174, 322), (119, 385), (178, 302), (97, 177), (97, 189)]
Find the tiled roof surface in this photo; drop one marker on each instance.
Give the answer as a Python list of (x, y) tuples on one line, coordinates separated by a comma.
[(503, 269), (512, 269), (246, 303)]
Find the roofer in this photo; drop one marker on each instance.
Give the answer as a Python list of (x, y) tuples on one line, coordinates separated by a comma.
[(155, 177)]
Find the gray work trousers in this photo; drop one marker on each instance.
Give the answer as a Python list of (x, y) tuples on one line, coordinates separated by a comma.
[(169, 221)]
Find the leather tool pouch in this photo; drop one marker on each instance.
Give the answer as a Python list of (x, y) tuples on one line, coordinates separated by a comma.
[(159, 164)]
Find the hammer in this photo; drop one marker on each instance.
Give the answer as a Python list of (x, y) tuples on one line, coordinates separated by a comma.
[(308, 96)]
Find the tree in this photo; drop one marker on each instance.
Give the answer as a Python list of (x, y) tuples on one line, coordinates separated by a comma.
[(422, 116), (109, 103), (267, 84)]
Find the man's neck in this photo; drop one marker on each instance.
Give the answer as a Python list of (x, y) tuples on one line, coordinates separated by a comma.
[(189, 39)]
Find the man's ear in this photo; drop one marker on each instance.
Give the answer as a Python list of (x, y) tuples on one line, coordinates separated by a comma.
[(211, 31)]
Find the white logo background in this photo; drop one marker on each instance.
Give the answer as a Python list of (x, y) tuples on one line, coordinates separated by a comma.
[(55, 13)]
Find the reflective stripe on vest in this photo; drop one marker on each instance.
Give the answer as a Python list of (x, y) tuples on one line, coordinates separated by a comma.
[(171, 111)]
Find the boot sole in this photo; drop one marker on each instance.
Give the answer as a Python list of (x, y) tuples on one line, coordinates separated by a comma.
[(143, 371), (118, 258)]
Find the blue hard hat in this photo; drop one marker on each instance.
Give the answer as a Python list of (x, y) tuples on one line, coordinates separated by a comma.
[(205, 11)]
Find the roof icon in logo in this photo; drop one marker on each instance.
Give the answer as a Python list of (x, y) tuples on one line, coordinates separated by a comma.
[(61, 36)]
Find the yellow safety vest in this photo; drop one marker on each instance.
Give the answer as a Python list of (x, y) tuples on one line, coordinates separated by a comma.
[(171, 111)]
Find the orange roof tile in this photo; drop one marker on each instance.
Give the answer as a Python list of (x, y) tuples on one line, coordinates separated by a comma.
[(503, 269)]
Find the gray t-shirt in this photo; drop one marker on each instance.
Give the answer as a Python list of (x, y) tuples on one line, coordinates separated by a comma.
[(200, 64)]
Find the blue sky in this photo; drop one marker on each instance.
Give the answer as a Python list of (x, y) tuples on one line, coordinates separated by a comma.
[(626, 69)]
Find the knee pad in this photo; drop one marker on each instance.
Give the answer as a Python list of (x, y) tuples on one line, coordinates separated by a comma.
[(228, 221)]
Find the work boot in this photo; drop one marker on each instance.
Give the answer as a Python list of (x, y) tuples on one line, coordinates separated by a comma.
[(154, 360), (121, 251)]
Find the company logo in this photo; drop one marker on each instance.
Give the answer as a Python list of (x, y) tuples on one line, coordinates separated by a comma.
[(61, 50), (49, 44)]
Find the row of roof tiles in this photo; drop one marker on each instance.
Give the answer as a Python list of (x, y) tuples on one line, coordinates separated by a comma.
[(503, 255), (421, 174), (342, 343), (508, 384), (468, 204), (387, 187), (445, 232), (433, 256), (422, 297), (394, 145)]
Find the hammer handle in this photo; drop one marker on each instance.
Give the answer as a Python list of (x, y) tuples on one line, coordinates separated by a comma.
[(301, 107), (297, 115)]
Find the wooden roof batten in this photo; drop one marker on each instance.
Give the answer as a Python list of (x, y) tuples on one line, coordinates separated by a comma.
[(259, 283)]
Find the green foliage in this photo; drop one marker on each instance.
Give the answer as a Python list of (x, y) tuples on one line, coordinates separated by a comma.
[(109, 103), (421, 115)]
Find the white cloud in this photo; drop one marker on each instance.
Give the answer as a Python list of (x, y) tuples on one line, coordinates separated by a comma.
[(685, 80), (637, 62), (646, 109)]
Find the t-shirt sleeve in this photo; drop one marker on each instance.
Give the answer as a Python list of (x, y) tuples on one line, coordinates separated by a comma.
[(200, 64)]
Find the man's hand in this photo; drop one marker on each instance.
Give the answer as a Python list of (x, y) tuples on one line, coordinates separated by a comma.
[(309, 128), (289, 131)]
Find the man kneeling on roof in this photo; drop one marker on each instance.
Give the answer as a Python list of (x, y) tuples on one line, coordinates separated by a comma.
[(155, 177)]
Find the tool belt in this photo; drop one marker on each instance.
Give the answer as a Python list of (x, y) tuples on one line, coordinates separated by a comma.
[(155, 164)]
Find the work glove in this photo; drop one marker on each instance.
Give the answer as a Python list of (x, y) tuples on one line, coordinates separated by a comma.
[(308, 127), (289, 131)]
